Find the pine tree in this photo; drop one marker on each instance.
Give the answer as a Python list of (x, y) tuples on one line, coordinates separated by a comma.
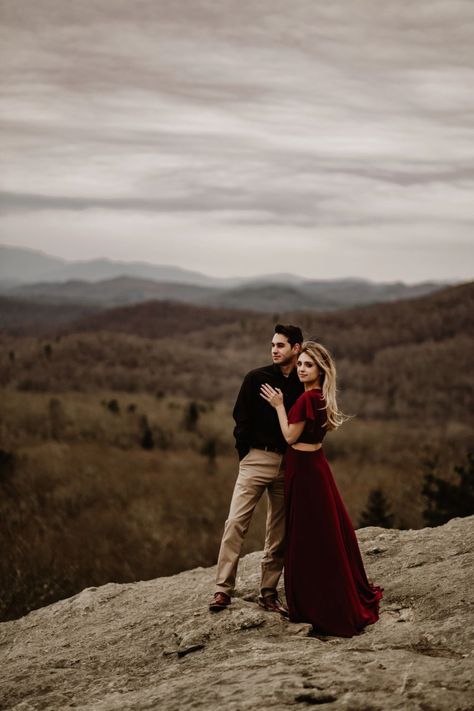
[(191, 416), (377, 511), (147, 439), (209, 450), (447, 500)]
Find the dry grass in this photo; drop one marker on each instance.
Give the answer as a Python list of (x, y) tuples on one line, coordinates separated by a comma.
[(84, 503)]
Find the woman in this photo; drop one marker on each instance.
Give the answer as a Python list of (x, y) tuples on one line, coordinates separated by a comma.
[(325, 580)]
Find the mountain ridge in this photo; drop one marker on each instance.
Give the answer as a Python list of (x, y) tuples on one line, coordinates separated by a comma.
[(50, 270), (22, 316), (105, 283)]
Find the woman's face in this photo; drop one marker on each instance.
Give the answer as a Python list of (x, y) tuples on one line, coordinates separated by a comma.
[(308, 371)]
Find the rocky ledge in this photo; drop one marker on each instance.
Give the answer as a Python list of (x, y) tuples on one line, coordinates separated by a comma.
[(155, 645)]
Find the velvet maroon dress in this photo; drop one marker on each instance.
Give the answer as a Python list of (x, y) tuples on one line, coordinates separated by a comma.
[(325, 580)]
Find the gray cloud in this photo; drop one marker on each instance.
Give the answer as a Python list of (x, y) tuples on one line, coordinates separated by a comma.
[(250, 116)]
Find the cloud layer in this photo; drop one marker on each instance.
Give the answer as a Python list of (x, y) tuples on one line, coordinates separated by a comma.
[(239, 138)]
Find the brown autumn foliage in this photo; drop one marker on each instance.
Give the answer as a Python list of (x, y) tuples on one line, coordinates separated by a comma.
[(407, 359), (20, 316), (103, 477)]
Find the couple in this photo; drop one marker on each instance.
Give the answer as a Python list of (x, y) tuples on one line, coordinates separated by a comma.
[(308, 530)]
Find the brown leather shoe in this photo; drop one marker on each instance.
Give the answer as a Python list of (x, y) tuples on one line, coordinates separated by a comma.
[(219, 602), (273, 604)]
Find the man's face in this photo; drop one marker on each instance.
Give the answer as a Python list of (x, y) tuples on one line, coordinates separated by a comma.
[(283, 352)]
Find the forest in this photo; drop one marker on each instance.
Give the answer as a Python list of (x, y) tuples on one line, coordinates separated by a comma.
[(117, 460)]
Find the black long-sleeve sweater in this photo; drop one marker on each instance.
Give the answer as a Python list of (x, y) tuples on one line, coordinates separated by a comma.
[(256, 422)]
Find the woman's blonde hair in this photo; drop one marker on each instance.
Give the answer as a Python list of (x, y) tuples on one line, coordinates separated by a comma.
[(325, 362)]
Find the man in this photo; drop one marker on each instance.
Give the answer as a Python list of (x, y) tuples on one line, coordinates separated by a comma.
[(261, 446)]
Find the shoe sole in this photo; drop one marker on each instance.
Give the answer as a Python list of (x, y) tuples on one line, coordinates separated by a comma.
[(283, 613), (216, 608)]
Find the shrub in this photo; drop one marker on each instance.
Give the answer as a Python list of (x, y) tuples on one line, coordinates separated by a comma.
[(114, 406), (163, 439), (209, 448), (56, 418)]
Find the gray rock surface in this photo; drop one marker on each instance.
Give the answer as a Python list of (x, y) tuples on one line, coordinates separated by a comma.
[(155, 645)]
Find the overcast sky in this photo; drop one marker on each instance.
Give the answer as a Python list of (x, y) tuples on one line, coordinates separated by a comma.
[(327, 138)]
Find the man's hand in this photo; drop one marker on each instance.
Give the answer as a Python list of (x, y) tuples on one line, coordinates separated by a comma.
[(273, 396)]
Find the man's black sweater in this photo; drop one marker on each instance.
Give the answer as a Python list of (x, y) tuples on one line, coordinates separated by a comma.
[(256, 422)]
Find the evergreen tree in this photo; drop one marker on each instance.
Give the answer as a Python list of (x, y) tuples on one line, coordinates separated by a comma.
[(147, 440), (446, 500), (377, 511), (7, 465), (8, 462), (191, 416), (209, 449)]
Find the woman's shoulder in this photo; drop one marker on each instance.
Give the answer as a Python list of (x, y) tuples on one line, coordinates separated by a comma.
[(307, 407), (310, 396), (314, 394), (316, 400)]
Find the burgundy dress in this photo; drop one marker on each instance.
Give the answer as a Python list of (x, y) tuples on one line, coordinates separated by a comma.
[(325, 580)]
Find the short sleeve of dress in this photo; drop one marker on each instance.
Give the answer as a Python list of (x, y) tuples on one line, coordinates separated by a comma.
[(303, 409)]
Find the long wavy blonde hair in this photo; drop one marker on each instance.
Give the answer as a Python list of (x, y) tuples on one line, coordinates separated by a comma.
[(325, 362)]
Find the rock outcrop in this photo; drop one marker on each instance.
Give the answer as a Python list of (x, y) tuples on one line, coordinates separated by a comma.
[(155, 645)]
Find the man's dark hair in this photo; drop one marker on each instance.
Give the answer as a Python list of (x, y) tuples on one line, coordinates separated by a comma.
[(293, 333)]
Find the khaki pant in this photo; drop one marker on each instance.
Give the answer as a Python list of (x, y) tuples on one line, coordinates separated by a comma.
[(258, 470)]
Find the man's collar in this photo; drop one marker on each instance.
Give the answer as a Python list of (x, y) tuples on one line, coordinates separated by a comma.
[(277, 369)]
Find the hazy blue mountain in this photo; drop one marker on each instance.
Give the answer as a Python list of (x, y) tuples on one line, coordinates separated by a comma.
[(100, 269), (257, 296), (20, 265), (118, 291), (316, 295), (23, 266), (339, 293), (28, 274)]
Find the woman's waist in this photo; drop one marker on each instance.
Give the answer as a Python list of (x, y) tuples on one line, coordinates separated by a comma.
[(306, 446)]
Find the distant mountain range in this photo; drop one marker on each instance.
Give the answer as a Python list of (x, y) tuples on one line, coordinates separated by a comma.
[(26, 266), (30, 275)]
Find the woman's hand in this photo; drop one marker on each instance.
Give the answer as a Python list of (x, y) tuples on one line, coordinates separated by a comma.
[(273, 396)]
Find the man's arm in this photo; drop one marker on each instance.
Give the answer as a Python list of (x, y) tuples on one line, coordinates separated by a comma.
[(241, 414)]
